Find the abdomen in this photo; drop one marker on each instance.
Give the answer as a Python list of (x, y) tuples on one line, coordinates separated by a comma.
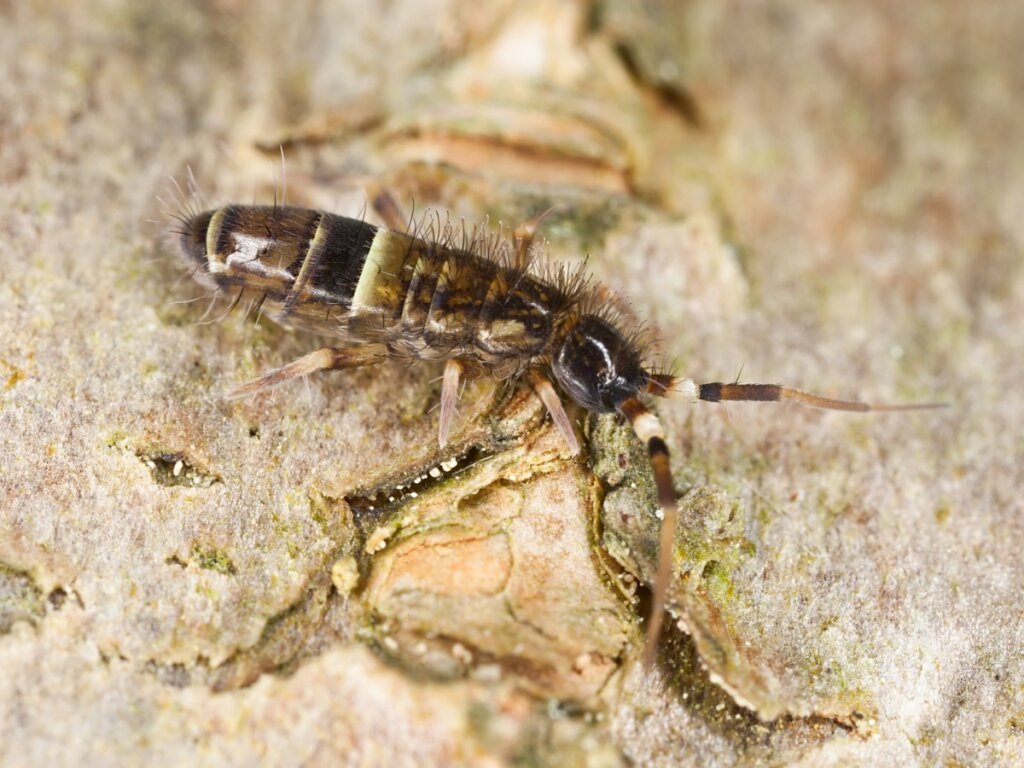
[(300, 264), (423, 296)]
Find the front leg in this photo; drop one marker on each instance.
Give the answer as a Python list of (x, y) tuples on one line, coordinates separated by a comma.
[(546, 392)]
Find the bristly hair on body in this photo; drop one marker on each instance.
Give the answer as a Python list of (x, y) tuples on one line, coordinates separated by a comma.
[(482, 303)]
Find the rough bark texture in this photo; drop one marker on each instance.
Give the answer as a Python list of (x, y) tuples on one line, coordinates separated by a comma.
[(827, 195)]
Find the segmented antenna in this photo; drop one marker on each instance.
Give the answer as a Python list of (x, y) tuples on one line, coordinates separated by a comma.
[(648, 428), (668, 386), (717, 392)]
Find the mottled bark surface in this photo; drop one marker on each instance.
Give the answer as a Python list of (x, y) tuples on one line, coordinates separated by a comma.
[(824, 195)]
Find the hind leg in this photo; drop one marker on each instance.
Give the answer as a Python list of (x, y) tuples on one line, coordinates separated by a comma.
[(523, 235), (326, 359), (388, 209)]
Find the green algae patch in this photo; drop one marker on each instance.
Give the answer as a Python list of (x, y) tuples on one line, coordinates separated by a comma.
[(212, 559), (20, 598)]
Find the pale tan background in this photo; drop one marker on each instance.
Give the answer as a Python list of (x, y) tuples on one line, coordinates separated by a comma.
[(826, 194)]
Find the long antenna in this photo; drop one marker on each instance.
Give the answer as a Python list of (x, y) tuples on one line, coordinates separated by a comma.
[(648, 428), (665, 385), (716, 392)]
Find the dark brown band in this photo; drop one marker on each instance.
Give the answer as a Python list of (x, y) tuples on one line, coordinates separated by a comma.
[(716, 392)]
